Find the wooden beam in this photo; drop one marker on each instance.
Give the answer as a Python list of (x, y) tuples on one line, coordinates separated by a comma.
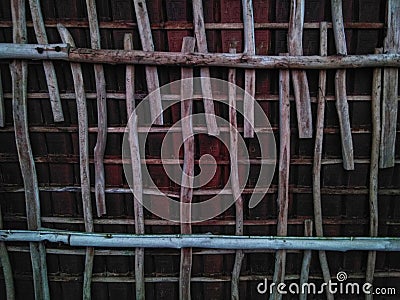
[(305, 266), (2, 111), (6, 266)]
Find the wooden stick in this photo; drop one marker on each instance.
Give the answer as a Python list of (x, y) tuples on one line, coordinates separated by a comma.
[(83, 159), (136, 169), (305, 267), (299, 78), (284, 165), (390, 88), (152, 80), (340, 87), (319, 136), (201, 39), (52, 85), (100, 147), (234, 176), (2, 111), (188, 169), (6, 265), (250, 75), (19, 74), (373, 174)]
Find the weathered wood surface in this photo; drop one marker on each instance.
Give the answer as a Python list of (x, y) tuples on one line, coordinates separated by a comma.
[(201, 40), (6, 266), (390, 87), (340, 87), (83, 133), (136, 169), (2, 112), (299, 78), (305, 266), (186, 194)]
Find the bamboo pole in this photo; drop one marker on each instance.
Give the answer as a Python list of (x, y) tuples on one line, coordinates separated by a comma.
[(52, 85), (284, 165), (250, 74), (136, 169), (374, 168), (188, 169), (152, 80), (2, 111), (390, 87), (201, 39), (6, 265), (19, 74), (305, 267), (340, 87), (83, 160), (299, 78), (319, 136), (100, 147)]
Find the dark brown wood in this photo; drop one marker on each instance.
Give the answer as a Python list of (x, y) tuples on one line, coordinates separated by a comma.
[(2, 112)]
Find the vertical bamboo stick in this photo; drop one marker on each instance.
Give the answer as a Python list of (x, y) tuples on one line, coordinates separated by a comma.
[(305, 267), (201, 39), (390, 87), (52, 85), (233, 151), (340, 87), (2, 112), (100, 147), (136, 169), (151, 71), (7, 270), (373, 175), (319, 136), (83, 159), (300, 82), (19, 74), (188, 169), (283, 186), (250, 75)]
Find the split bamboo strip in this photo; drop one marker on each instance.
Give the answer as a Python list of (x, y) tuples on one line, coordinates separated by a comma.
[(250, 75), (83, 159), (283, 187), (52, 85), (19, 74), (201, 39), (136, 169), (152, 80), (390, 87), (234, 178), (305, 267), (299, 78), (6, 265), (319, 136), (188, 45), (2, 111), (374, 168), (340, 87)]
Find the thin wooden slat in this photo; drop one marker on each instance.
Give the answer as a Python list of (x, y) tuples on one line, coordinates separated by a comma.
[(2, 111), (299, 78), (52, 85), (374, 167), (390, 88), (250, 75), (136, 170), (340, 87), (284, 165), (151, 71), (188, 169), (305, 266), (19, 74), (83, 159), (201, 40), (6, 266)]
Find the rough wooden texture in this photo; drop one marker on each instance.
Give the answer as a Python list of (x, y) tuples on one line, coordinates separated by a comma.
[(52, 84), (300, 82), (136, 169), (374, 168), (283, 187), (6, 266), (2, 112), (19, 74), (83, 159), (340, 87), (151, 71), (390, 87), (201, 40), (305, 266), (188, 170)]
